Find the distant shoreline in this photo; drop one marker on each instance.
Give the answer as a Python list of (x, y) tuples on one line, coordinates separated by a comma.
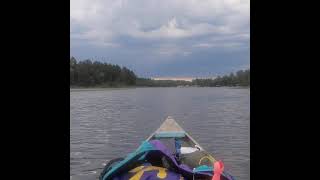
[(134, 87), (87, 75)]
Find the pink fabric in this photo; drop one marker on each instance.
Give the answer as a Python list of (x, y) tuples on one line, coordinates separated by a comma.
[(217, 170)]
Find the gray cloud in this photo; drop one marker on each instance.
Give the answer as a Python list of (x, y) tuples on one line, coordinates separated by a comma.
[(157, 33)]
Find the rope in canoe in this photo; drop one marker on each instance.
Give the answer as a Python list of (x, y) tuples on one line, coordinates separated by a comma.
[(210, 158)]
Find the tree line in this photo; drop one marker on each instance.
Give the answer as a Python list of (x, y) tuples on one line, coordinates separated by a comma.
[(240, 78), (145, 82), (89, 73)]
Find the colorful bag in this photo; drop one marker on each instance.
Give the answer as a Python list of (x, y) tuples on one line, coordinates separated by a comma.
[(148, 172)]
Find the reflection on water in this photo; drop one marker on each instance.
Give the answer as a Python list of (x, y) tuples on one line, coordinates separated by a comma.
[(106, 124)]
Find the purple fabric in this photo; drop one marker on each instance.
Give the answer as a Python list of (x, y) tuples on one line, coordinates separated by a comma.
[(150, 175), (160, 146)]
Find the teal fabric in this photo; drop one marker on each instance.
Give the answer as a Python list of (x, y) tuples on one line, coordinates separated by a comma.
[(203, 168), (143, 156), (140, 152), (170, 134)]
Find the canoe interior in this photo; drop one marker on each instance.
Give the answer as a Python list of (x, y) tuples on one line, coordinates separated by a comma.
[(169, 131)]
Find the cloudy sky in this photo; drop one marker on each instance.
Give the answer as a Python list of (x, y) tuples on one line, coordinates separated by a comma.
[(193, 38)]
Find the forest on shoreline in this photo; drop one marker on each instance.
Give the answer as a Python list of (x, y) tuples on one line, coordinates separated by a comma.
[(89, 73)]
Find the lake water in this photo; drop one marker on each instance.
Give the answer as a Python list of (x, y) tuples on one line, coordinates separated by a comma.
[(105, 124)]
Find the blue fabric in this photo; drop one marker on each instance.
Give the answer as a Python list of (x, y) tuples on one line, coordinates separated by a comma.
[(177, 146)]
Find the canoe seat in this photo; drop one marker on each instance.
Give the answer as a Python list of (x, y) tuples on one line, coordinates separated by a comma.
[(170, 134)]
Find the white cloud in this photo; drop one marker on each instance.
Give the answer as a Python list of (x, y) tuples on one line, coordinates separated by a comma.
[(203, 45), (169, 30), (172, 29), (186, 53)]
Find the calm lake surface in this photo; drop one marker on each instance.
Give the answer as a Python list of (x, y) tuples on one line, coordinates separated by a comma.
[(110, 123)]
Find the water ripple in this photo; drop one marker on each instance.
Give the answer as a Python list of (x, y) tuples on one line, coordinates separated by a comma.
[(106, 124)]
